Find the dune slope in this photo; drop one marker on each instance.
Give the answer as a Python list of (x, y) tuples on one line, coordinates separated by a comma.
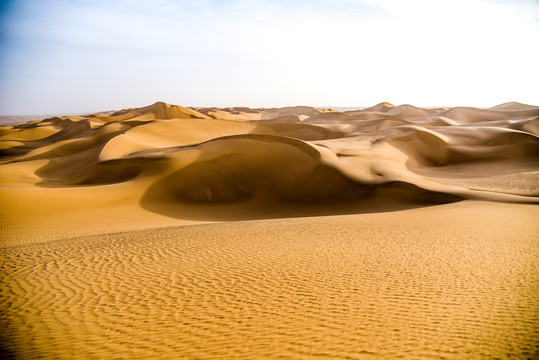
[(171, 157), (168, 164)]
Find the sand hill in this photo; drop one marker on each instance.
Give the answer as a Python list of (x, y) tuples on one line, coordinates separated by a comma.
[(376, 233)]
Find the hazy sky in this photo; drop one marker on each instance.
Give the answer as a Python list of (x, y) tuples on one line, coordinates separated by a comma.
[(69, 56)]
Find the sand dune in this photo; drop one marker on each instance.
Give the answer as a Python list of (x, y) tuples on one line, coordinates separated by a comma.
[(457, 281), (398, 145), (432, 255)]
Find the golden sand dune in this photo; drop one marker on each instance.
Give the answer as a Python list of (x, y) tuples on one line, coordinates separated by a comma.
[(432, 255), (398, 144)]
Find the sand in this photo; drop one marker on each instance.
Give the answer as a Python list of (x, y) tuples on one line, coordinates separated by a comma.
[(173, 232)]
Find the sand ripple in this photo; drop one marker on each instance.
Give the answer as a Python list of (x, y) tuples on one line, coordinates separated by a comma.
[(373, 286)]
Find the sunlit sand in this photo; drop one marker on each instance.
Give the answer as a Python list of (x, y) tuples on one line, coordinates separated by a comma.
[(173, 232)]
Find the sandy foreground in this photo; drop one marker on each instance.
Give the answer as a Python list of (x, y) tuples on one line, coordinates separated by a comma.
[(172, 232)]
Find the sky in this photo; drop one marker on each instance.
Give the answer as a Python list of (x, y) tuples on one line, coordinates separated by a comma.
[(81, 56)]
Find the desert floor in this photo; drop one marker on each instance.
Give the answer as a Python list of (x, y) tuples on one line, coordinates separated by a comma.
[(171, 232)]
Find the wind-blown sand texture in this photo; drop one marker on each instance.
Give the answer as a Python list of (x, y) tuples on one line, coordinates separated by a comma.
[(172, 232)]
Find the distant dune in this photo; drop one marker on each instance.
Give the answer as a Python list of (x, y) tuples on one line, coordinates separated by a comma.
[(15, 120), (422, 177), (174, 157)]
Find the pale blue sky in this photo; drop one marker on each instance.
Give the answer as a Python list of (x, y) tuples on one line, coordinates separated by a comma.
[(77, 56)]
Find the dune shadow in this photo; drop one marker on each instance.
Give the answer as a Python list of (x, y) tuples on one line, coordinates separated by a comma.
[(246, 178)]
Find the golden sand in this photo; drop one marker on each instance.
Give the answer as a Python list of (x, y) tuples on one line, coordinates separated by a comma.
[(167, 232)]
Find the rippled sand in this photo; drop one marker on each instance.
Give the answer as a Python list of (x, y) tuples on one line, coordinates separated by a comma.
[(454, 281), (167, 232)]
